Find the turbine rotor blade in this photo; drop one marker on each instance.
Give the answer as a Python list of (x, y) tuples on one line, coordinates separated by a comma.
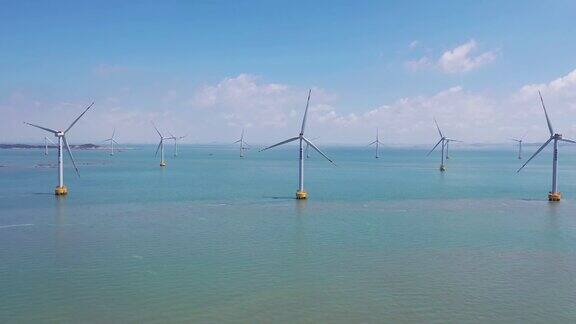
[(158, 148), (44, 128), (568, 140), (535, 153), (305, 113), (546, 113), (372, 143), (78, 118), (49, 140), (438, 127), (318, 150), (157, 131), (113, 132), (432, 150), (70, 155), (454, 140), (113, 140), (238, 141), (281, 143)]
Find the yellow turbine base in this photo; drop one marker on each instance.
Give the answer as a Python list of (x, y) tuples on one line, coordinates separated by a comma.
[(554, 196), (61, 191), (162, 164), (301, 194), (442, 168)]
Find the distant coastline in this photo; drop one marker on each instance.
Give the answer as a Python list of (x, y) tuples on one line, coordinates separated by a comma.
[(30, 146)]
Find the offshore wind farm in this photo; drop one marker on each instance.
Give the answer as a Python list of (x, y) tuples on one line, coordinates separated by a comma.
[(257, 162)]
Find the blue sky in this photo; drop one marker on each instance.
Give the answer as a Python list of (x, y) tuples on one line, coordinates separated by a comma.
[(150, 60)]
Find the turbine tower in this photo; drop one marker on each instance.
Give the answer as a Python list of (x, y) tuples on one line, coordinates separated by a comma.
[(243, 144), (554, 194), (444, 141), (46, 140), (176, 139), (301, 194), (161, 146), (61, 189), (112, 142), (519, 141), (377, 143)]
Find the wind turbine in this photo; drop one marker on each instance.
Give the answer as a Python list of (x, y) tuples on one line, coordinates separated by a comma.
[(242, 144), (112, 142), (176, 139), (46, 140), (161, 146), (553, 195), (519, 141), (448, 140), (61, 135), (301, 194), (377, 143), (444, 140)]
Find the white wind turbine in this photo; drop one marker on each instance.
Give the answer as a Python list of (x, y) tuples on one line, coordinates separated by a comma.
[(161, 146), (519, 141), (243, 144), (377, 143), (444, 140), (61, 135), (301, 194), (46, 140), (176, 139), (112, 142), (554, 194)]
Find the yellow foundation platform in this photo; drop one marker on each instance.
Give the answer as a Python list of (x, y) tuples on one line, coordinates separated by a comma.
[(442, 168), (554, 196), (162, 164), (61, 191), (301, 194)]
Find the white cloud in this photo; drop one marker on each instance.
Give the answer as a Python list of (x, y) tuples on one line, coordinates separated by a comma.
[(419, 64), (271, 111), (413, 44), (461, 58)]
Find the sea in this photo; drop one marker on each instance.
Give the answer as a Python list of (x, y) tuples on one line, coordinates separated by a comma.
[(215, 238)]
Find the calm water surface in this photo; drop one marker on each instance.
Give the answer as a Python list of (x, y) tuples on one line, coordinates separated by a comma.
[(215, 238)]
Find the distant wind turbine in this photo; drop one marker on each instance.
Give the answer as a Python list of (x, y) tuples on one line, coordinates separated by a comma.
[(176, 139), (112, 142), (519, 141), (61, 135), (243, 144), (377, 143), (306, 150), (554, 194), (301, 194), (161, 146), (444, 141), (46, 140)]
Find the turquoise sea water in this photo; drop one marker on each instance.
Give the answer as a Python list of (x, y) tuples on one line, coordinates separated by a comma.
[(216, 238)]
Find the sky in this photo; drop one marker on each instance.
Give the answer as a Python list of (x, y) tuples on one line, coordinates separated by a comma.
[(208, 69)]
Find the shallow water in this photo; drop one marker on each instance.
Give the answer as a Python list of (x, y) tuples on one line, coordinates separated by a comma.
[(213, 238)]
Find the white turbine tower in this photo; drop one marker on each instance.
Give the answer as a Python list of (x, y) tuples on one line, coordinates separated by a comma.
[(61, 135), (519, 141), (444, 141), (176, 139), (161, 146), (46, 140), (377, 143), (112, 142), (243, 144), (301, 194), (554, 194)]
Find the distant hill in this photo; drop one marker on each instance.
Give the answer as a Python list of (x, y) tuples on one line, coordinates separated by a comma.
[(29, 146)]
